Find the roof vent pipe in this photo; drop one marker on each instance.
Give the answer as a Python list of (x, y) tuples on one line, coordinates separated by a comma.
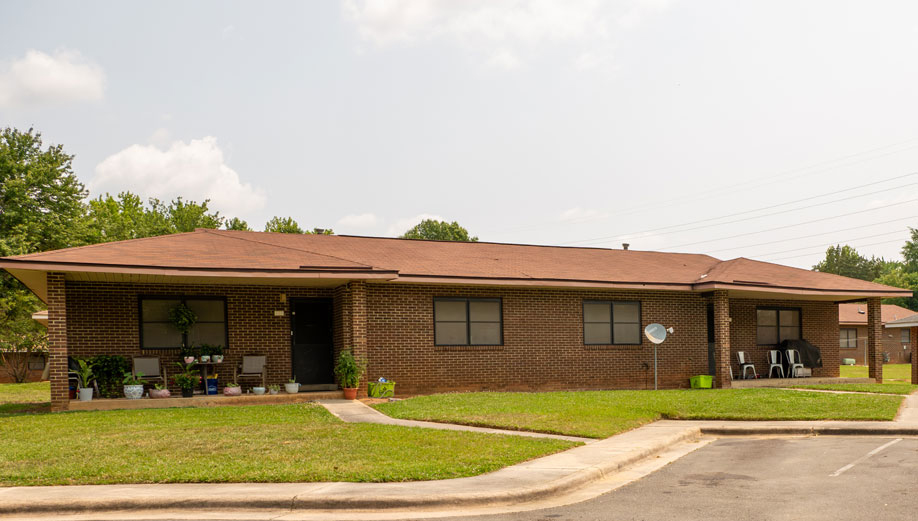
[(625, 246)]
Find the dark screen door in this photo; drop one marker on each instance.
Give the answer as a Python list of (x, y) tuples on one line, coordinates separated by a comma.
[(313, 351)]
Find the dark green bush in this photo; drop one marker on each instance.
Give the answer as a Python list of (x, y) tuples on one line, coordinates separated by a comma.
[(109, 373)]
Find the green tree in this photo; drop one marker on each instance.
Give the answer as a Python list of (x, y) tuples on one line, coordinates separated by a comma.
[(900, 277), (237, 224), (126, 217), (910, 251), (41, 208), (431, 229), (846, 261), (283, 225)]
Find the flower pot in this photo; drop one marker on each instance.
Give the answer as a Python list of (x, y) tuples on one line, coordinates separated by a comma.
[(232, 391), (133, 392), (160, 393), (205, 359), (188, 359), (292, 388), (350, 393), (187, 392), (273, 391), (85, 394), (217, 359), (258, 390)]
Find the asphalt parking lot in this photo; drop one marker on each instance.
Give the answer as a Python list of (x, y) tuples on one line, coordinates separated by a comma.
[(831, 478)]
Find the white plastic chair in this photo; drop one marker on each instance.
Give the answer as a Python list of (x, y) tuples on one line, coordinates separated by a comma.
[(793, 362), (774, 362), (744, 366)]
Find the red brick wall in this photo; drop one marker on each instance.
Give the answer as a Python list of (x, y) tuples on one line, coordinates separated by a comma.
[(820, 328), (892, 344), (33, 376), (58, 340), (393, 324), (543, 342), (103, 319)]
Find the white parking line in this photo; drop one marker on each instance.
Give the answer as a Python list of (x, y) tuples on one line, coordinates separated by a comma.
[(862, 458)]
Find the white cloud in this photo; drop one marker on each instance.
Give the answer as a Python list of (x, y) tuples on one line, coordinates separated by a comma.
[(49, 79), (359, 221), (161, 137), (195, 170), (401, 226), (501, 32)]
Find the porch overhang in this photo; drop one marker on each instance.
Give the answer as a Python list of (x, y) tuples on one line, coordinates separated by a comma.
[(34, 275)]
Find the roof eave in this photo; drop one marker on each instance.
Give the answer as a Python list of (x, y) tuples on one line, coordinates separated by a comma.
[(768, 288)]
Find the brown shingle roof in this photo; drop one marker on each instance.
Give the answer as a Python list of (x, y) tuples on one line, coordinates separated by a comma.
[(439, 260), (857, 313)]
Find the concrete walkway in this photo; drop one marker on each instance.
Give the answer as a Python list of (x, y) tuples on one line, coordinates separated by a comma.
[(550, 476), (355, 411)]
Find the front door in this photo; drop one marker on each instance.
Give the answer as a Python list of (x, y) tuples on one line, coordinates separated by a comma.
[(313, 349)]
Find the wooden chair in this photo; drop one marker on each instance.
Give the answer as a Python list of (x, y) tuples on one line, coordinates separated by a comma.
[(251, 367), (150, 369)]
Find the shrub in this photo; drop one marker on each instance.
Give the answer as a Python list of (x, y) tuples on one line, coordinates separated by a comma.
[(109, 373)]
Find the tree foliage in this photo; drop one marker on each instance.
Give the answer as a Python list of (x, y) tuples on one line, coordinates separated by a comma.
[(237, 224), (283, 225), (900, 277), (846, 261), (127, 217), (431, 229), (910, 251)]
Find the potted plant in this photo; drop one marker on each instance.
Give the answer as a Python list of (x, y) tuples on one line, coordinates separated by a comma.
[(273, 389), (216, 354), (258, 390), (206, 350), (133, 386), (84, 374), (188, 354), (349, 370), (160, 391), (186, 380), (292, 387), (232, 389)]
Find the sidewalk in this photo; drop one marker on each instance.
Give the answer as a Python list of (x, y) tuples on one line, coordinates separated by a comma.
[(518, 484)]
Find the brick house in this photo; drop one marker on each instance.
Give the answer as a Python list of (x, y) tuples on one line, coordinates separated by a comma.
[(437, 316), (852, 332)]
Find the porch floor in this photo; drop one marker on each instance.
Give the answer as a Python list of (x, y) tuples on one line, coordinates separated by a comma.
[(214, 400), (788, 382)]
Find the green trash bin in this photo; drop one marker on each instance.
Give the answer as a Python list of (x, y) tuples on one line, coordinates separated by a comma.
[(702, 381), (381, 389)]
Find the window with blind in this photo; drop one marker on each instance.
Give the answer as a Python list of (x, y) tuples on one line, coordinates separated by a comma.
[(611, 322), (775, 325), (847, 338), (157, 332), (468, 322)]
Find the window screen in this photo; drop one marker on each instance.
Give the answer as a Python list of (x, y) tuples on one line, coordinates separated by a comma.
[(467, 321), (611, 322), (776, 325), (847, 338), (157, 332)]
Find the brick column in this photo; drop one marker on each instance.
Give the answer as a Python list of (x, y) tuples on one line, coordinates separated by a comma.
[(874, 340), (355, 323), (721, 339), (914, 346), (57, 340)]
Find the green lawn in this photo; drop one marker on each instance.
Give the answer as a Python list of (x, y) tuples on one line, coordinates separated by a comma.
[(24, 398), (891, 372), (599, 414), (268, 443), (886, 388)]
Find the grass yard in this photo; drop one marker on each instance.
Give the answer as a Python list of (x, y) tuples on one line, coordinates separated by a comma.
[(901, 373), (24, 398), (884, 388), (267, 443), (599, 414)]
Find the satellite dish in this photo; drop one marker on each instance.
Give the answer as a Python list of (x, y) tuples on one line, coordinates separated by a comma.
[(656, 333)]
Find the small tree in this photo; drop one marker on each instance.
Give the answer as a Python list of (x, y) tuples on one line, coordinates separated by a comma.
[(237, 224), (433, 230), (16, 350), (283, 225)]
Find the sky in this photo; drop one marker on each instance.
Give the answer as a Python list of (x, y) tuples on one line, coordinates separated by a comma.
[(768, 130)]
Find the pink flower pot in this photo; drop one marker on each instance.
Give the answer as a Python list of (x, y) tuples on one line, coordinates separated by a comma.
[(232, 391), (160, 393)]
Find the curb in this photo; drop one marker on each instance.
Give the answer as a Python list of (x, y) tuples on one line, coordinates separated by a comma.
[(809, 431), (279, 501)]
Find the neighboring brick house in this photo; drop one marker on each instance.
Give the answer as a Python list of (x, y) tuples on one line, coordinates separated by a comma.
[(436, 316), (852, 332)]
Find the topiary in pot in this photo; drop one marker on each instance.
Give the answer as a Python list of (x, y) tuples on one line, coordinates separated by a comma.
[(349, 370)]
